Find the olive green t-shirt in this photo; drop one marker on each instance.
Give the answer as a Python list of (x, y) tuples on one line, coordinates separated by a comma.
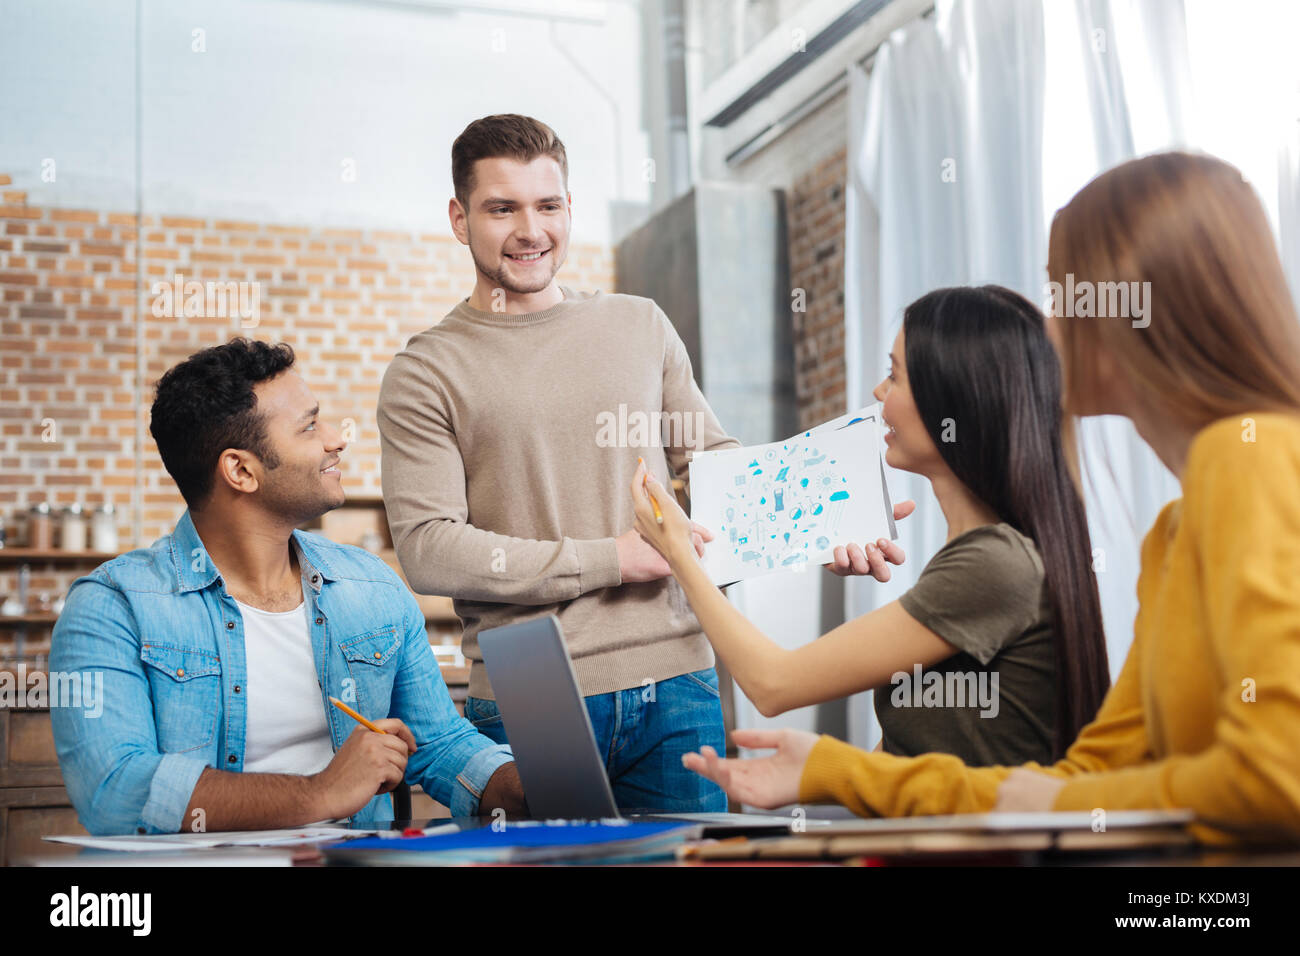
[(994, 702)]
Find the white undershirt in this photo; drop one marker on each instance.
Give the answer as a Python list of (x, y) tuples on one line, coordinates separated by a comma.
[(286, 728)]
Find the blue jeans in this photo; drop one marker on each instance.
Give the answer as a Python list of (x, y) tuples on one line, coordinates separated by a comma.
[(642, 733)]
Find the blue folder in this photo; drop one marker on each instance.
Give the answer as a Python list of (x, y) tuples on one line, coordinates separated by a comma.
[(521, 842)]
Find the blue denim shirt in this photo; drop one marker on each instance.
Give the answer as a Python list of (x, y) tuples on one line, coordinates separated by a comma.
[(168, 638)]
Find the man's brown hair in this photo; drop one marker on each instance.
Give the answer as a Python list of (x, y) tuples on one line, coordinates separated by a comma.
[(504, 134)]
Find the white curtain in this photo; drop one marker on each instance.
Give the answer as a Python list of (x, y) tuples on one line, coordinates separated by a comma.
[(1288, 174), (973, 126), (1245, 77), (1146, 44)]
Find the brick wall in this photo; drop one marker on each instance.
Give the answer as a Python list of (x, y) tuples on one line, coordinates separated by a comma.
[(815, 215), (71, 305), (345, 299)]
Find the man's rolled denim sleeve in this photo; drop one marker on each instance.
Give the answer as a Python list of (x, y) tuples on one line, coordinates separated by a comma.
[(170, 791), (454, 761), (115, 775), (475, 776)]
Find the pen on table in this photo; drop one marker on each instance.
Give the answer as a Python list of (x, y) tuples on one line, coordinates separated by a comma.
[(418, 831), (659, 515)]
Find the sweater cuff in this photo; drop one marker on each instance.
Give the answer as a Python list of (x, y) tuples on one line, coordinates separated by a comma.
[(1093, 791), (597, 564), (878, 784), (828, 764)]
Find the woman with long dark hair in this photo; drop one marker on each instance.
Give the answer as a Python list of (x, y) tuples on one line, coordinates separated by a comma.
[(997, 652)]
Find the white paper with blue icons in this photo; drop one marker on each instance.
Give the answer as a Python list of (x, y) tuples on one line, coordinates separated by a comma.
[(786, 505)]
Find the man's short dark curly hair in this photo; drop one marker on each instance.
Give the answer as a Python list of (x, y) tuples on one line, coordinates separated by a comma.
[(206, 404)]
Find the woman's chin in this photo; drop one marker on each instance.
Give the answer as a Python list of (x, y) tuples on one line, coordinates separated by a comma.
[(895, 459)]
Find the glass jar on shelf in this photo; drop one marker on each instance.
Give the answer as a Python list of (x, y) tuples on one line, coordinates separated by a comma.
[(40, 527), (103, 529), (72, 530)]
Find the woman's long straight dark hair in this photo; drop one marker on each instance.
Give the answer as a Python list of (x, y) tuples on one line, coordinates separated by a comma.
[(987, 384)]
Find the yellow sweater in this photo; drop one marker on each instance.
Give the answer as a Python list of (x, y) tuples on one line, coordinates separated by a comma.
[(1206, 712)]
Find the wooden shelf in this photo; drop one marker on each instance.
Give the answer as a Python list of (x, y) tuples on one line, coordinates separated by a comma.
[(452, 675), (36, 617), (18, 555), (363, 501)]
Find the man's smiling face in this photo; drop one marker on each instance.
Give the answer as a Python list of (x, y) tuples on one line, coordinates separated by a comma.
[(305, 482), (517, 223)]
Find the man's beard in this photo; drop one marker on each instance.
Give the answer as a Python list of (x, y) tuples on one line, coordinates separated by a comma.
[(501, 280), (297, 499)]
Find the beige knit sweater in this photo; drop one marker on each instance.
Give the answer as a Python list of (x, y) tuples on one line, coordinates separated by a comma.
[(509, 444)]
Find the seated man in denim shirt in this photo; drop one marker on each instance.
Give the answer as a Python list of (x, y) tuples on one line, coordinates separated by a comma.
[(220, 644)]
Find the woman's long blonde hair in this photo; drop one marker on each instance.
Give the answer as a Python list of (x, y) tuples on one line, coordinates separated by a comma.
[(1220, 335)]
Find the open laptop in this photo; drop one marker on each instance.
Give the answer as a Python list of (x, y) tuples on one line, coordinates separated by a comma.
[(550, 732)]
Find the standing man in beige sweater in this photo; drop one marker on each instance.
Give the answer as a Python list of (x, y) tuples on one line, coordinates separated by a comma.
[(510, 431)]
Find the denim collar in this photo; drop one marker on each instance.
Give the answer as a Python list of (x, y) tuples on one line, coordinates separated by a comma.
[(193, 574)]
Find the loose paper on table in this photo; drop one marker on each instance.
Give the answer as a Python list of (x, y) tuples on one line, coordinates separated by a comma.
[(154, 842)]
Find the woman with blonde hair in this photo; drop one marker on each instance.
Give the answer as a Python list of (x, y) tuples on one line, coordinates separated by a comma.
[(1205, 711)]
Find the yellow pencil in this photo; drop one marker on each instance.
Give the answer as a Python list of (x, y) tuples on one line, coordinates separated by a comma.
[(659, 515), (355, 716)]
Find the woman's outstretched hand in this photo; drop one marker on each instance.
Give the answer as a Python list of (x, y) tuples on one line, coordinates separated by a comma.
[(678, 536), (876, 559), (758, 781)]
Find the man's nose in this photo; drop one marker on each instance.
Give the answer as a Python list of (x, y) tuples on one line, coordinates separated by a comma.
[(334, 438), (528, 226)]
